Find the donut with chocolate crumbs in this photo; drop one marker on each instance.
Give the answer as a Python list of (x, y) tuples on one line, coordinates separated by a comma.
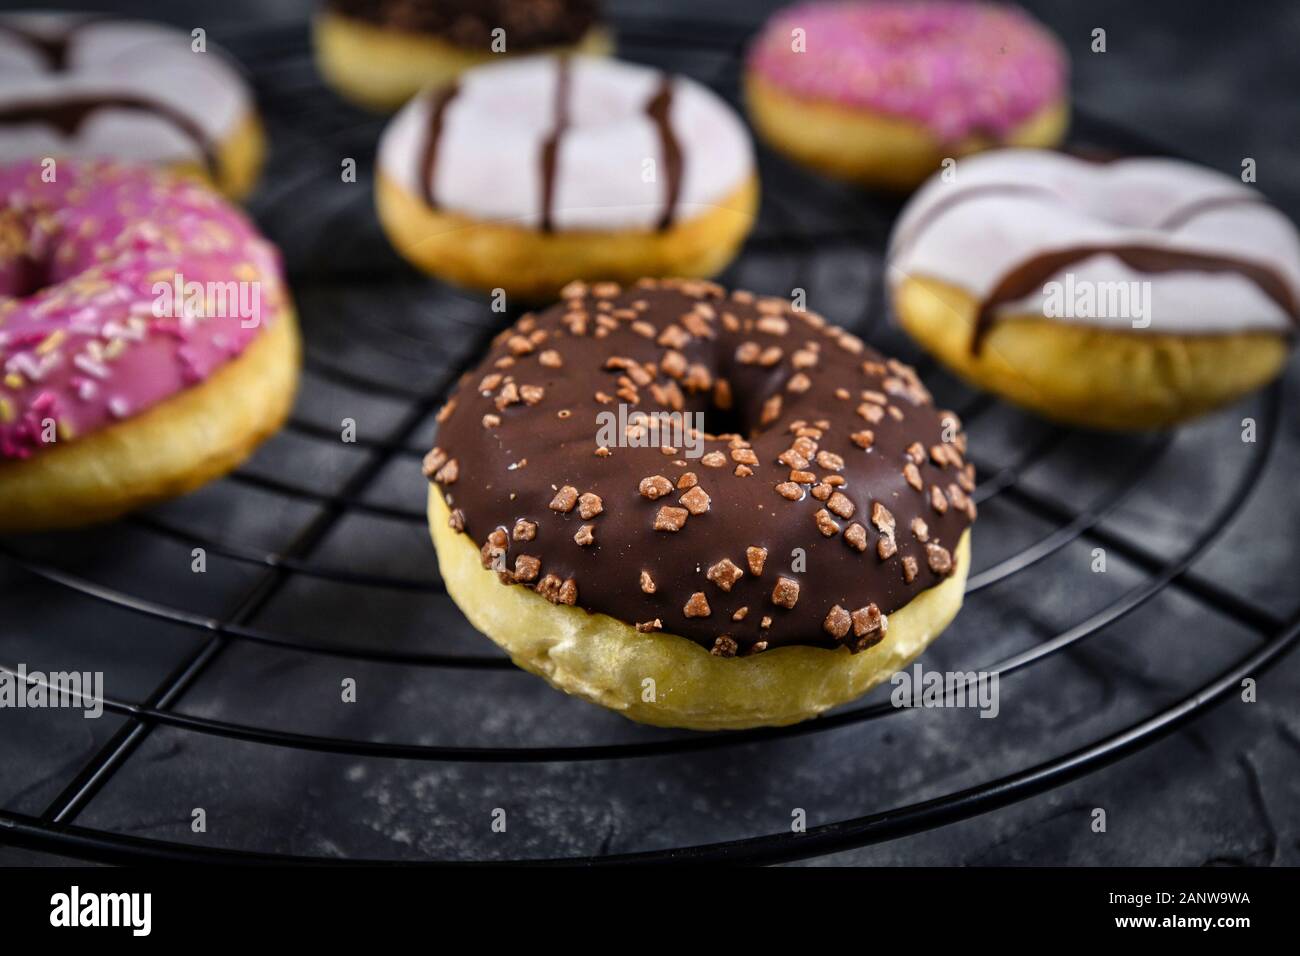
[(755, 566), (535, 171), (882, 92), (93, 86), (147, 340), (380, 53)]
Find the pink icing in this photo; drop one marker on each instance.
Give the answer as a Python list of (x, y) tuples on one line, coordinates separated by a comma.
[(958, 68), (87, 337)]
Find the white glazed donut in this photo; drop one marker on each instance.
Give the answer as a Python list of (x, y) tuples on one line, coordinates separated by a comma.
[(1009, 207), (81, 85), (496, 124), (569, 145), (1018, 244)]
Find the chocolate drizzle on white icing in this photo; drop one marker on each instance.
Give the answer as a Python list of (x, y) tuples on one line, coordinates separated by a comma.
[(1030, 275), (68, 112), (1185, 214), (658, 110), (429, 158), (52, 48), (1022, 217), (903, 239), (551, 146)]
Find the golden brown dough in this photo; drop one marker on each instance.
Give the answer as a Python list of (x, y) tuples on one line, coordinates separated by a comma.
[(381, 69), (603, 660), (536, 265), (176, 446), (1086, 375), (875, 149)]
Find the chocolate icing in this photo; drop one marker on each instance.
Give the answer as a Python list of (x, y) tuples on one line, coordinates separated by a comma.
[(523, 426), (1029, 276), (429, 160), (903, 241), (53, 48), (551, 147), (1185, 214), (67, 113), (529, 25), (659, 109)]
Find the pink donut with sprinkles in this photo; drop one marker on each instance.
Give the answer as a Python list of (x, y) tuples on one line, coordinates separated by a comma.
[(147, 340), (882, 91)]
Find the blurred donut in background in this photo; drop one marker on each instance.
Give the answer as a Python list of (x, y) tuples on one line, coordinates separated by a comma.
[(1126, 295), (91, 86), (380, 53), (881, 92), (147, 340)]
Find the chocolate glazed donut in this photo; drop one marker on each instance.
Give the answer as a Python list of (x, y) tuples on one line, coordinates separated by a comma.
[(529, 25), (380, 53), (832, 494)]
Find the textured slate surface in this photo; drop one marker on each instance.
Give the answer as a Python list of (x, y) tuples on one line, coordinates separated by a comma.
[(1224, 790)]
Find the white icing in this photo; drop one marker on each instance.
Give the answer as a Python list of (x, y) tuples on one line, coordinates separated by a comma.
[(118, 58), (1065, 202), (493, 131)]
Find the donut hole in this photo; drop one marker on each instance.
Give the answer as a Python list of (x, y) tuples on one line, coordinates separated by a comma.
[(726, 421), (40, 252), (760, 398), (745, 398), (23, 276), (28, 258), (739, 408)]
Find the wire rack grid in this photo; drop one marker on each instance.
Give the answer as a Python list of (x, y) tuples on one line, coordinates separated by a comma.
[(383, 347)]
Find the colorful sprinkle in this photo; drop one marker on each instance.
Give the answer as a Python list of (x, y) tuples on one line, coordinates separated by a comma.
[(136, 255), (960, 69)]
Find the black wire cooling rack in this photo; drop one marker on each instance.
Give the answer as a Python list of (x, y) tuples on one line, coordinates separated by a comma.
[(319, 565)]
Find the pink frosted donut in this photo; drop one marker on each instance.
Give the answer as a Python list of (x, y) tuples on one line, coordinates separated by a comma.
[(947, 76), (131, 303)]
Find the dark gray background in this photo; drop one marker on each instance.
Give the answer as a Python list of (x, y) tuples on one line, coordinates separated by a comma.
[(1212, 81)]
